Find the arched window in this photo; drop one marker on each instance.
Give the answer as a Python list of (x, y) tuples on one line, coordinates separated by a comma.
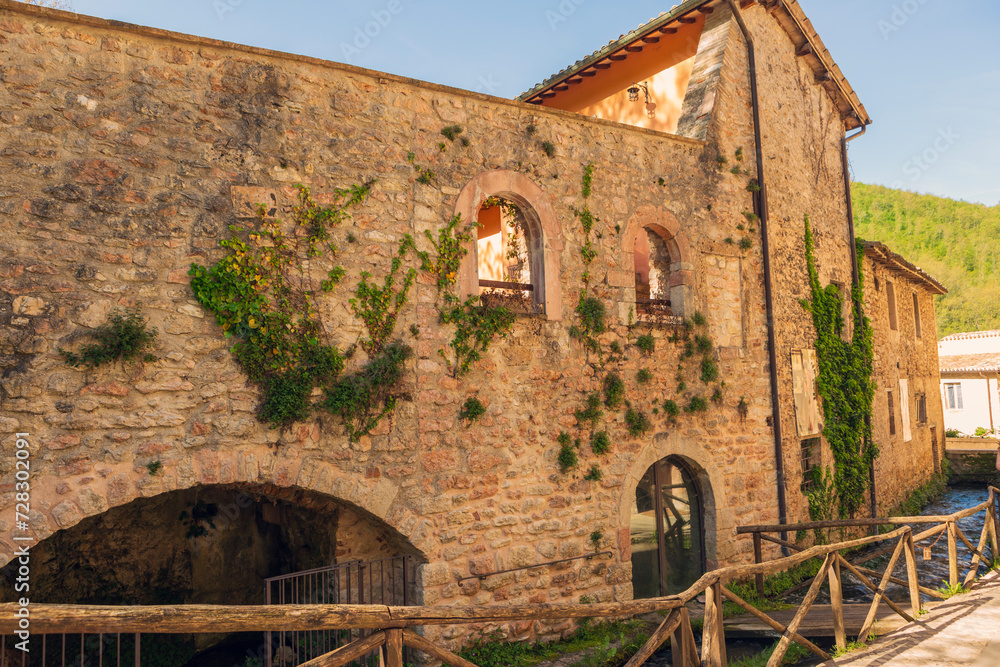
[(652, 273), (514, 258), (506, 254), (662, 267)]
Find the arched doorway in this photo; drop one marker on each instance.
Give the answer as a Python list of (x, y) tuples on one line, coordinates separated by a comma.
[(667, 529)]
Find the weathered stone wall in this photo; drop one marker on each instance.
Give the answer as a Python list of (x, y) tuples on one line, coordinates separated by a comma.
[(127, 154), (899, 354)]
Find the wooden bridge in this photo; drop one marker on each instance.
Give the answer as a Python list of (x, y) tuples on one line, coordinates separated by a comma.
[(392, 627)]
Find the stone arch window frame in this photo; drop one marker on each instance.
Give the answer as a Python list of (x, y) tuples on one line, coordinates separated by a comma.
[(682, 277), (544, 245)]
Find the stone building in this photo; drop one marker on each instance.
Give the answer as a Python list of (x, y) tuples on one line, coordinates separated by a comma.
[(128, 153), (908, 420)]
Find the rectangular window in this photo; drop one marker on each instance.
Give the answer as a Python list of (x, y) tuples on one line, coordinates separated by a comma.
[(810, 462), (845, 310), (904, 409), (921, 402), (916, 313), (892, 414), (953, 395), (890, 291)]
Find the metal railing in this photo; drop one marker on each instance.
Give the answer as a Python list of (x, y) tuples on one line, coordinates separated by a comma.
[(386, 581)]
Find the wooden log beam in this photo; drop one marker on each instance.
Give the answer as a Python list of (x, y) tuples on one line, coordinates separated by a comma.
[(394, 647), (919, 537), (660, 635), (713, 640), (952, 554), (848, 523), (974, 566), (777, 627), (349, 653), (413, 640), (778, 656), (873, 588), (913, 585), (880, 595), (682, 646), (837, 605), (899, 582)]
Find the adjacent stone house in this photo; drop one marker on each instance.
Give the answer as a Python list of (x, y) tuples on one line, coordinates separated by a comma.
[(970, 381), (128, 153)]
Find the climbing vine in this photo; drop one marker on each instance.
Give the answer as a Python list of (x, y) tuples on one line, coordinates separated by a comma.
[(844, 381)]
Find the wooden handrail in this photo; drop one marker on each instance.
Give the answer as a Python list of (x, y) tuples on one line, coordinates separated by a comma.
[(856, 523), (394, 623)]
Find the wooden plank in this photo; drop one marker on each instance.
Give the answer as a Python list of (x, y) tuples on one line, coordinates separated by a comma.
[(660, 635), (349, 653), (773, 624), (413, 640), (786, 638)]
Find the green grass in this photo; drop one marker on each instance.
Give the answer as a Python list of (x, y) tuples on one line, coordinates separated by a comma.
[(948, 590), (794, 654), (608, 644), (851, 646)]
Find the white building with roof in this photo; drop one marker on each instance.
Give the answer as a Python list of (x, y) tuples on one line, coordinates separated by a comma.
[(970, 381)]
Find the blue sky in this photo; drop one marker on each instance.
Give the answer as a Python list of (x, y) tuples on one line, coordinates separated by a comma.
[(928, 71)]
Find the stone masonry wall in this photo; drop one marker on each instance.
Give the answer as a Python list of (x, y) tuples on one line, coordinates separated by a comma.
[(899, 354), (127, 153)]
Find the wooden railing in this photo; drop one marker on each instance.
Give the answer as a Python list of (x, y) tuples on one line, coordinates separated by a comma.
[(394, 625), (946, 523)]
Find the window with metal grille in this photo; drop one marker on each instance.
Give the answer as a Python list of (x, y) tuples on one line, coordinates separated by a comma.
[(811, 455), (890, 292), (921, 401), (892, 414)]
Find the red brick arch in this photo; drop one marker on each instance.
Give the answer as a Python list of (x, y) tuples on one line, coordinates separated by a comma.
[(541, 218)]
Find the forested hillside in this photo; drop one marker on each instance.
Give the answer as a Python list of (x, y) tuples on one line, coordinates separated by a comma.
[(956, 242)]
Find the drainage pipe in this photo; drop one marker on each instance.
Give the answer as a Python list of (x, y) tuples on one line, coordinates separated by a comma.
[(779, 455), (859, 314)]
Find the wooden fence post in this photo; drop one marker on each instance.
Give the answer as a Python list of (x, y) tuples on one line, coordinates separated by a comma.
[(952, 554), (394, 647), (682, 646), (837, 604), (911, 576), (713, 639), (758, 557)]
